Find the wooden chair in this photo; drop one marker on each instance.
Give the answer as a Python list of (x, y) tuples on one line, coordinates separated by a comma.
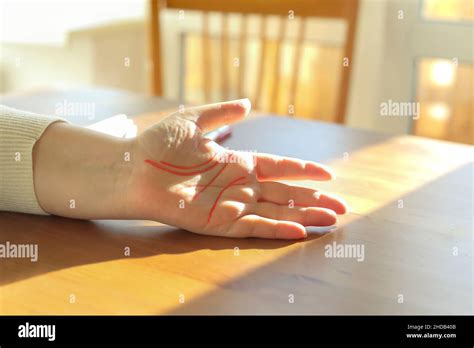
[(339, 9)]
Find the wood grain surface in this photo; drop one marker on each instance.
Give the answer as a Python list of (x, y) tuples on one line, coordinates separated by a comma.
[(411, 209)]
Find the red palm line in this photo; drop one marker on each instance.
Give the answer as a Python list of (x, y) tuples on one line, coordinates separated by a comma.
[(189, 167), (202, 185), (210, 182), (159, 166), (220, 194)]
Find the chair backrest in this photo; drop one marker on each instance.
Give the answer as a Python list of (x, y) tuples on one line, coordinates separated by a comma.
[(338, 9)]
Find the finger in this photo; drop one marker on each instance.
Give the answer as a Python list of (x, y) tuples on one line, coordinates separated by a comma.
[(270, 167), (212, 116), (283, 194), (261, 227), (304, 216)]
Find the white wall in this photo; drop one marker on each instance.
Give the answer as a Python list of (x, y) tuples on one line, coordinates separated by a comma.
[(49, 21), (368, 65), (27, 66)]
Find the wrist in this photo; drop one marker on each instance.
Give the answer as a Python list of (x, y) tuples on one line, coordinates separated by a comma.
[(81, 173), (123, 167)]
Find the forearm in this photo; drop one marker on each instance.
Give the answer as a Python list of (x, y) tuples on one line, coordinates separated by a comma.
[(81, 173)]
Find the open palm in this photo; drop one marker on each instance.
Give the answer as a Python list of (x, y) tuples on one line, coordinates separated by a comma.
[(183, 179)]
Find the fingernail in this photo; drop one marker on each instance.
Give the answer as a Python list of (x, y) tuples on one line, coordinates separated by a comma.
[(331, 172), (245, 103), (305, 233), (345, 205)]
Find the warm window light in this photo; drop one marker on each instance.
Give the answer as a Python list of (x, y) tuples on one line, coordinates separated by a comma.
[(442, 73), (454, 10), (439, 111)]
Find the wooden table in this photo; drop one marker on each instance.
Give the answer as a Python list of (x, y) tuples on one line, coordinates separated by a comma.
[(411, 210)]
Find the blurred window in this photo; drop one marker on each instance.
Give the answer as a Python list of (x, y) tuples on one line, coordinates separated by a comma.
[(445, 94), (448, 10)]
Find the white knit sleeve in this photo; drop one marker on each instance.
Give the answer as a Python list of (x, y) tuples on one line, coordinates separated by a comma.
[(19, 131)]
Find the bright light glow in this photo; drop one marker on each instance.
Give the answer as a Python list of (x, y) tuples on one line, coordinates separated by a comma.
[(439, 111), (452, 10), (442, 73)]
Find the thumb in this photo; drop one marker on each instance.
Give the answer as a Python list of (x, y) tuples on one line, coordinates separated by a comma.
[(212, 116)]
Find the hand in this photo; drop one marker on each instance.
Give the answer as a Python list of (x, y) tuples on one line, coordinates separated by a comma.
[(183, 179)]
